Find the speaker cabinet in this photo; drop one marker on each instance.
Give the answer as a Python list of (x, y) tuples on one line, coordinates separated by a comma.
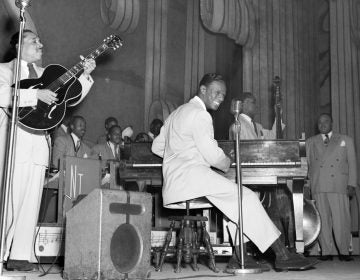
[(108, 236)]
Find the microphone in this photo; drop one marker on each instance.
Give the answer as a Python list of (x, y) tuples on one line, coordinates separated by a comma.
[(236, 107), (22, 3)]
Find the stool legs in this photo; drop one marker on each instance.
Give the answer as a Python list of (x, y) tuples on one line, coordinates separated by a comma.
[(209, 249), (180, 245), (195, 248), (188, 246), (165, 247)]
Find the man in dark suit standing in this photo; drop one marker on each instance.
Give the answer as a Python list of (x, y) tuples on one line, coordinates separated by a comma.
[(333, 175)]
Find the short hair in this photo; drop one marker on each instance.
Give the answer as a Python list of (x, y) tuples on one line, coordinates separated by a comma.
[(209, 78), (109, 120), (246, 95), (75, 118), (14, 40), (114, 127), (142, 137), (154, 124), (326, 114)]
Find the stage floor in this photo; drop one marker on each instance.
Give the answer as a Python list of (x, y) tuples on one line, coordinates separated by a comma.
[(329, 270)]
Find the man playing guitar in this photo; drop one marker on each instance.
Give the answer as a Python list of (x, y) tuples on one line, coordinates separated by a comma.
[(31, 151)]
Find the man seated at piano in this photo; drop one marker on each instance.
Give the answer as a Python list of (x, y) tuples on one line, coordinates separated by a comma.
[(188, 148), (110, 150), (276, 200), (71, 144), (109, 122)]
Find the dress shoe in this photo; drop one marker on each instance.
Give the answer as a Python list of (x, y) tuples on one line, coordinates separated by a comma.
[(20, 265), (294, 262), (325, 258), (250, 262), (345, 258)]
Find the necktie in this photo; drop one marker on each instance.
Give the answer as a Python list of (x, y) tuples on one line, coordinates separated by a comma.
[(255, 128), (326, 139), (32, 72), (77, 146), (117, 152)]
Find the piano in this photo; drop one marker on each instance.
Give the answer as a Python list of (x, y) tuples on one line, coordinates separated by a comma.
[(263, 162)]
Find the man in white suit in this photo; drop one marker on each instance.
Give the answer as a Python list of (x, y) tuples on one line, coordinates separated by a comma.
[(333, 175), (31, 153), (186, 143)]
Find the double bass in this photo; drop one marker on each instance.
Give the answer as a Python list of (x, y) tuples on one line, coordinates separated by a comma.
[(311, 215)]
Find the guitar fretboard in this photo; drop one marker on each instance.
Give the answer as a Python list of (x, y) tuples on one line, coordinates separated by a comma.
[(73, 71)]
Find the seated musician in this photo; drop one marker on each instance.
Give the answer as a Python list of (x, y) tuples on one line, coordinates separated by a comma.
[(186, 143), (109, 122), (71, 144), (143, 137), (249, 128), (110, 150), (276, 201), (155, 127)]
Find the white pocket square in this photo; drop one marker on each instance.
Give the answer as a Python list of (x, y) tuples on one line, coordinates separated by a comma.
[(342, 144)]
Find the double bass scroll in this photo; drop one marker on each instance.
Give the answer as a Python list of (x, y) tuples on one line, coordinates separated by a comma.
[(277, 96)]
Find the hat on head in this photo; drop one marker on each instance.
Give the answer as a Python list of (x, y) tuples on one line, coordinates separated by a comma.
[(127, 132)]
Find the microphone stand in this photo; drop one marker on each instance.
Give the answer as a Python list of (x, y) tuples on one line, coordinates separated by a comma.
[(11, 144), (236, 108)]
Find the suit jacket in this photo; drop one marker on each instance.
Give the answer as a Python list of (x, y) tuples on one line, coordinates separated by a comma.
[(104, 150), (186, 143), (58, 131), (30, 147), (64, 146), (247, 131), (102, 139), (331, 168)]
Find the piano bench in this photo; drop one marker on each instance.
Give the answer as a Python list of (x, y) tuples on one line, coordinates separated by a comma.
[(192, 233)]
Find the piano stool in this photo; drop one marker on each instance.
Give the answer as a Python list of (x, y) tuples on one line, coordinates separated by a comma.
[(192, 233)]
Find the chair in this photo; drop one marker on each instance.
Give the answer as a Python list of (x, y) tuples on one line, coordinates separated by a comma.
[(189, 238)]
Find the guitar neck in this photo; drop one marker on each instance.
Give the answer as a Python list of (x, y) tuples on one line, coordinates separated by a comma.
[(77, 68)]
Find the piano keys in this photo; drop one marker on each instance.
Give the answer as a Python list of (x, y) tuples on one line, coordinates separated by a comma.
[(262, 161)]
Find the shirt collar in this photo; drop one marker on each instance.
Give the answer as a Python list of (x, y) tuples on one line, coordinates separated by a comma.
[(329, 134), (65, 128), (246, 117), (24, 69), (111, 145), (75, 138), (198, 99)]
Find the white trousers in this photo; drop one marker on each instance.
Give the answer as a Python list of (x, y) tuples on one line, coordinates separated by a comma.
[(23, 211), (257, 225)]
